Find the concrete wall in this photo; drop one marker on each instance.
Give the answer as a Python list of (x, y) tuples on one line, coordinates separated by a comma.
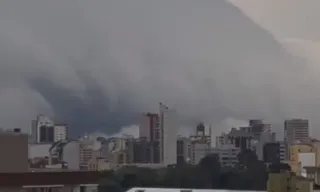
[(71, 155), (38, 150)]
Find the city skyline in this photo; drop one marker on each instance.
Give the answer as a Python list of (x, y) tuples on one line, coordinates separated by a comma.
[(155, 95)]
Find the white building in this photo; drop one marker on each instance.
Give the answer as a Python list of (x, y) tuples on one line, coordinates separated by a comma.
[(168, 135), (60, 132), (228, 156), (198, 151), (222, 140)]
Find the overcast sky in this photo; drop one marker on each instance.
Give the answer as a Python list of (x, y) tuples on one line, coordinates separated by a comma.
[(98, 64)]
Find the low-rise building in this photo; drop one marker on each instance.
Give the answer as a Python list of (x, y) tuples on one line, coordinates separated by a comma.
[(284, 181), (99, 164), (301, 155)]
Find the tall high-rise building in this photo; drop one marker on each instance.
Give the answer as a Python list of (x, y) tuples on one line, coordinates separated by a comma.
[(168, 135), (45, 129), (150, 133), (184, 149), (149, 127), (296, 130)]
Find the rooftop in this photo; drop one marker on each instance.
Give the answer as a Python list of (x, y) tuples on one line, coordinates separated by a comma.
[(49, 178), (239, 133), (312, 168)]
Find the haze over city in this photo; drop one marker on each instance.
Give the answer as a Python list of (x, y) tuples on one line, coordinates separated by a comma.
[(97, 65)]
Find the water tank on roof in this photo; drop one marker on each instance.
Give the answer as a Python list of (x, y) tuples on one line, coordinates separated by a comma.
[(200, 129)]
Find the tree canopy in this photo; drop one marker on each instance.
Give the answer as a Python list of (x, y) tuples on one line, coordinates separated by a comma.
[(249, 174)]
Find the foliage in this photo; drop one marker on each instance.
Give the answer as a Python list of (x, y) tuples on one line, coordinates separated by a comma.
[(249, 174)]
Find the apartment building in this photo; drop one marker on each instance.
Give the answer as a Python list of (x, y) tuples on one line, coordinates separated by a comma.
[(184, 149), (198, 151), (274, 152), (300, 156), (285, 181), (150, 134), (228, 156), (60, 132), (296, 130), (43, 130)]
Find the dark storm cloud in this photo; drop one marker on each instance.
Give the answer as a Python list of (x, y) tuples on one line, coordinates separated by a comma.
[(98, 63)]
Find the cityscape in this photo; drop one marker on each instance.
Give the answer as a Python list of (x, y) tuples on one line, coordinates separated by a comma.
[(47, 148), (159, 96)]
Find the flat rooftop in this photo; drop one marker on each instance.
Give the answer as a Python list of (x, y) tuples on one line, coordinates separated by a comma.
[(50, 178)]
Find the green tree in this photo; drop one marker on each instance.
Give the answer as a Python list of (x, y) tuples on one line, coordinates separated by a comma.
[(182, 176), (208, 171), (137, 177), (108, 185)]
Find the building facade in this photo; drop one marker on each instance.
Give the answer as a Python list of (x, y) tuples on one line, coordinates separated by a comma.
[(287, 182), (271, 153), (150, 133), (14, 150), (45, 129), (169, 125), (301, 155), (198, 151), (184, 150), (228, 156), (296, 130), (60, 132)]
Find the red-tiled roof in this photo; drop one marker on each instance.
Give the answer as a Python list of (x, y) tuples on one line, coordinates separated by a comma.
[(50, 178)]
